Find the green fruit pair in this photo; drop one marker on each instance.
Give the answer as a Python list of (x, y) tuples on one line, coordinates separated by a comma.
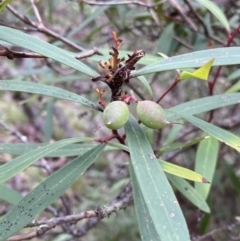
[(152, 115)]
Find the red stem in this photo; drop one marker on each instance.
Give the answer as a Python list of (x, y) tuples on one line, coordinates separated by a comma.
[(170, 88), (212, 84)]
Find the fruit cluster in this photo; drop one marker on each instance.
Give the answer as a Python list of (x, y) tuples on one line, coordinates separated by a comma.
[(151, 114)]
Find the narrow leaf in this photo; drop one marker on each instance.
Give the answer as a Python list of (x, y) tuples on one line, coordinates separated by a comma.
[(160, 200), (29, 87), (234, 88), (222, 56), (205, 164), (29, 42), (4, 4), (216, 11), (201, 73), (45, 193), (177, 145), (48, 122), (182, 172), (9, 195), (69, 150), (18, 164), (189, 192), (146, 84), (202, 105), (147, 230), (224, 136)]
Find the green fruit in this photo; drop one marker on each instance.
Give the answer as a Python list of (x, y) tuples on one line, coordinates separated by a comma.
[(151, 114), (115, 115)]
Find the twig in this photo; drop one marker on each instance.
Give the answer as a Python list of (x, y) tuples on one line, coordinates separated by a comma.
[(217, 230), (20, 136), (176, 5), (90, 53), (213, 83), (199, 18), (135, 2), (36, 12), (169, 89), (42, 28), (120, 202), (10, 54)]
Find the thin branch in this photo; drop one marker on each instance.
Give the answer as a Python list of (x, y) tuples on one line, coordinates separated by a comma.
[(120, 202), (177, 6), (217, 230), (36, 12), (199, 18), (42, 28), (135, 2), (19, 135), (176, 81), (10, 54)]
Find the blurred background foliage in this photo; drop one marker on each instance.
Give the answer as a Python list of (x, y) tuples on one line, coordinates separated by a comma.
[(170, 28)]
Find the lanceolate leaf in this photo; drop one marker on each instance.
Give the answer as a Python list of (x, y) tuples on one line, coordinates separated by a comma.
[(29, 87), (18, 164), (222, 56), (29, 42), (45, 193), (147, 230), (205, 164), (216, 11), (189, 192), (182, 172), (69, 150), (224, 136), (164, 214), (202, 105)]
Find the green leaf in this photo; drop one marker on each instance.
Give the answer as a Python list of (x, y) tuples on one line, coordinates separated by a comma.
[(189, 192), (48, 122), (29, 42), (178, 145), (18, 164), (182, 172), (9, 195), (164, 214), (201, 73), (205, 164), (69, 150), (45, 193), (234, 75), (222, 56), (234, 88), (147, 230), (216, 11), (233, 177), (172, 134), (202, 105), (29, 87), (4, 4), (93, 16), (224, 136), (146, 84)]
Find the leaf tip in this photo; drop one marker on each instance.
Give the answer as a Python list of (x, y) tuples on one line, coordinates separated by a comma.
[(204, 180)]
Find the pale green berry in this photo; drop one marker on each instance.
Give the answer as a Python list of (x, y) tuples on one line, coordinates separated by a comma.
[(151, 114), (115, 115)]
